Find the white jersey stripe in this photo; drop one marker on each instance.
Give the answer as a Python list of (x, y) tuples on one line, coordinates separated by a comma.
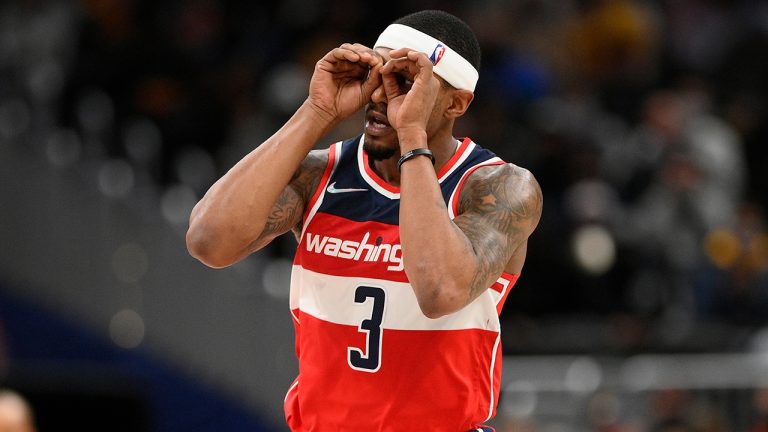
[(491, 161), (505, 284), (321, 187), (368, 179), (460, 161), (331, 298), (290, 389), (491, 372)]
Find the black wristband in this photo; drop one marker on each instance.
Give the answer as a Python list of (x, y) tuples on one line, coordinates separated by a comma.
[(413, 153)]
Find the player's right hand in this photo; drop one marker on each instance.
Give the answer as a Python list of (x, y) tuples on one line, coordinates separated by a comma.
[(344, 80)]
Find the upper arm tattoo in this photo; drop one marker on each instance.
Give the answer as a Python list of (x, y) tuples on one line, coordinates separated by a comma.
[(499, 208), (288, 211)]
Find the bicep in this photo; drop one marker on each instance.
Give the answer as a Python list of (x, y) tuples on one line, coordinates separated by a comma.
[(500, 207)]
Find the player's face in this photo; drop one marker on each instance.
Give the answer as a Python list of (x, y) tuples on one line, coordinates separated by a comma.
[(380, 138)]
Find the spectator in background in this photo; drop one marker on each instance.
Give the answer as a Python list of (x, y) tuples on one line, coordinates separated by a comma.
[(684, 175), (734, 281), (15, 413)]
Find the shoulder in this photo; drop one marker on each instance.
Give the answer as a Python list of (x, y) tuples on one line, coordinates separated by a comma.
[(502, 187), (501, 172)]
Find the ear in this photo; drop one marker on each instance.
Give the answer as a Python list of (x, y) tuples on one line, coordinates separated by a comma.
[(459, 103)]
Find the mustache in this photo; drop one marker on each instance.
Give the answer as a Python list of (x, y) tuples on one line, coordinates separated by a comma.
[(378, 107)]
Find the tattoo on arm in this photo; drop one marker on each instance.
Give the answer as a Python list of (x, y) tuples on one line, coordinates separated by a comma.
[(288, 211), (499, 208), (283, 215)]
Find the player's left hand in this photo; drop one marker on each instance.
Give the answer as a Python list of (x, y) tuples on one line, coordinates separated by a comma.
[(411, 88)]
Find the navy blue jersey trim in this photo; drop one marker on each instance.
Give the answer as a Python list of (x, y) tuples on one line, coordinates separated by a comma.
[(353, 198)]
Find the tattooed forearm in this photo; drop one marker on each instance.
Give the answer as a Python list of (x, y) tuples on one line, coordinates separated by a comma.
[(288, 210), (283, 215), (499, 208)]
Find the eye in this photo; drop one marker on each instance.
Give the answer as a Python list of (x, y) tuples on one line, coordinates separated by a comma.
[(404, 83)]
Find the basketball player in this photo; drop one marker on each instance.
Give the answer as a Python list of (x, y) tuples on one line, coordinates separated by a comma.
[(409, 238)]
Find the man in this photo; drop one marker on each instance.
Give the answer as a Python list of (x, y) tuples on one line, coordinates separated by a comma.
[(15, 414), (409, 239)]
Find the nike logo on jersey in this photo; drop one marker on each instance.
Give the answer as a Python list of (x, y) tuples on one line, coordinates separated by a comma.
[(332, 189)]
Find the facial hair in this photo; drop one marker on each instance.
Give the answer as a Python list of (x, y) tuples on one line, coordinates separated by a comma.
[(378, 153)]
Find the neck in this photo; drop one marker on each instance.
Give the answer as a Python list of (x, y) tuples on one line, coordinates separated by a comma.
[(443, 148)]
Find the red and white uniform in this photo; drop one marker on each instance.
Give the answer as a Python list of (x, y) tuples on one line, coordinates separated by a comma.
[(369, 360)]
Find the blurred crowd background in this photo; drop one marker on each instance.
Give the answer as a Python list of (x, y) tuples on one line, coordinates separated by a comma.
[(645, 122)]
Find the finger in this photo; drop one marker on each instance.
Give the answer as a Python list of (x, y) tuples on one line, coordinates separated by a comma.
[(400, 52), (419, 58), (365, 55), (372, 81), (345, 54), (333, 58), (391, 86), (423, 63), (400, 65), (369, 56)]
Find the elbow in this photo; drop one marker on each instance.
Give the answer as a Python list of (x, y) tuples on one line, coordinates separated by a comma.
[(432, 312), (440, 290), (437, 298), (202, 245)]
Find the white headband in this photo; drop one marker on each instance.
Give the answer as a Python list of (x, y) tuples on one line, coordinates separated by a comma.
[(449, 64)]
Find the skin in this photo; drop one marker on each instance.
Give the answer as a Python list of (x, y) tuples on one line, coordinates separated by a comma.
[(449, 263), (15, 415)]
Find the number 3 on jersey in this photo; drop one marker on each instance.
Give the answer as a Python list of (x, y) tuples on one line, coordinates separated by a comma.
[(370, 359)]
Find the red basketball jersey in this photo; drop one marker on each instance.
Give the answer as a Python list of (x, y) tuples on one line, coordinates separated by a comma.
[(369, 360)]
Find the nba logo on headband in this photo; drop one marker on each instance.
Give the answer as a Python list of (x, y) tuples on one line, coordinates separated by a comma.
[(448, 64), (437, 54)]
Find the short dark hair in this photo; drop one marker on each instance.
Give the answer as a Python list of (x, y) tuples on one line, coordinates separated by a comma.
[(447, 28)]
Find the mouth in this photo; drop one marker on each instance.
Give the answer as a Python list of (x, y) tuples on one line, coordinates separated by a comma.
[(376, 123)]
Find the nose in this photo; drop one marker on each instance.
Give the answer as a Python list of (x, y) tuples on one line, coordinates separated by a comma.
[(378, 96)]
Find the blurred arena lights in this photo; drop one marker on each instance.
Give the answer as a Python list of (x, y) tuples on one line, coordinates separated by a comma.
[(584, 375), (115, 178), (519, 399), (593, 248), (45, 80), (63, 147), (604, 409), (759, 343), (276, 278), (286, 86), (95, 111), (127, 329), (130, 262), (723, 248), (195, 167), (142, 140), (176, 204), (694, 371), (15, 118)]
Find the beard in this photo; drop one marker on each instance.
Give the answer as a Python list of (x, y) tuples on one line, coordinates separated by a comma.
[(379, 148), (378, 152)]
